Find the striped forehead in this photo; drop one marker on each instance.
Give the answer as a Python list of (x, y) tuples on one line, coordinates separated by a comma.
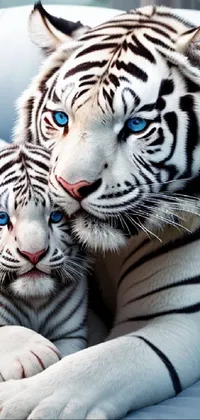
[(113, 51), (95, 79), (24, 174)]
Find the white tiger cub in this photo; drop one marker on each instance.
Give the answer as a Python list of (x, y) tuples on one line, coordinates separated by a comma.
[(43, 289)]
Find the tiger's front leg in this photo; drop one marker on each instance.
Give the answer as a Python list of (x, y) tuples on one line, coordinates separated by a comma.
[(24, 353), (108, 380)]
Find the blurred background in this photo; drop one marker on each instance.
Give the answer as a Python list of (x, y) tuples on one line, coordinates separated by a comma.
[(116, 4)]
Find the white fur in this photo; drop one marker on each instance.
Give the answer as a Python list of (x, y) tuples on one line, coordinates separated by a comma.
[(124, 373), (76, 387)]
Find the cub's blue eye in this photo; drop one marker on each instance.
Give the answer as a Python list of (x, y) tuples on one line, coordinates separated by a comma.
[(4, 218), (56, 216), (136, 124), (60, 118)]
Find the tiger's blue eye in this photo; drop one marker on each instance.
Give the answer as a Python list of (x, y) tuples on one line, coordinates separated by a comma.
[(136, 124), (60, 118), (4, 218), (56, 216)]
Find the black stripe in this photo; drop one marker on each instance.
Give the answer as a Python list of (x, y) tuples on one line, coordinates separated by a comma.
[(132, 69), (171, 369), (96, 47), (9, 180), (157, 41), (114, 79), (86, 77), (149, 134), (69, 337), (176, 18), (8, 151), (147, 107), (42, 86), (166, 87), (7, 310), (192, 87), (109, 37), (108, 98), (172, 122), (72, 331), (139, 49), (7, 166), (115, 195), (103, 37), (66, 318), (10, 259), (85, 66), (57, 308), (187, 105), (154, 29), (21, 311), (170, 246), (189, 281), (158, 141), (88, 83), (28, 114), (39, 151), (191, 309), (30, 161)]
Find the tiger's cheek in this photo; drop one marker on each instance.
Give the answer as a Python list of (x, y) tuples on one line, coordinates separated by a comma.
[(135, 147)]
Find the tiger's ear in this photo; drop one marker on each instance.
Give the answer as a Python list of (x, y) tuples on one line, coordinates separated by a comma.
[(189, 44), (48, 32)]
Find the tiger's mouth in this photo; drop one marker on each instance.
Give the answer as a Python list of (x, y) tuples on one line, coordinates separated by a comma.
[(33, 274)]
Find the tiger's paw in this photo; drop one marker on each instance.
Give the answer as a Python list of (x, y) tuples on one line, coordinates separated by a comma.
[(24, 353), (67, 390), (26, 398)]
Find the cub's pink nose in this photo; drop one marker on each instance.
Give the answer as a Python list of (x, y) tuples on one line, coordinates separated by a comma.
[(33, 258), (77, 190)]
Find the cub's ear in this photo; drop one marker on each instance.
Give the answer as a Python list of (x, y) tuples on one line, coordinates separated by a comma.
[(48, 32), (189, 44)]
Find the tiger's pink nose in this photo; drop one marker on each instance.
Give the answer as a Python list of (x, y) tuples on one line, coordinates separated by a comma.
[(78, 190), (33, 258)]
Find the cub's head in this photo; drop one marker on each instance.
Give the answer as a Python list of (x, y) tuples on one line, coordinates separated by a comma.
[(37, 253), (120, 108)]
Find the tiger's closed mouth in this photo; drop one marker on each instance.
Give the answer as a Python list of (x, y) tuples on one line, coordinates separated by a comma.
[(33, 274)]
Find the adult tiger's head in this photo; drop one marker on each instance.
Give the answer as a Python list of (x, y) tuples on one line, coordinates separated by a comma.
[(37, 253), (120, 106)]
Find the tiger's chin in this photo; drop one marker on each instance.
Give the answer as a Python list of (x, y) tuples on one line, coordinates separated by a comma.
[(33, 284), (97, 234)]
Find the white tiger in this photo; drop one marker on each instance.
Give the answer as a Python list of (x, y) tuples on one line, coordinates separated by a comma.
[(43, 287), (120, 109)]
